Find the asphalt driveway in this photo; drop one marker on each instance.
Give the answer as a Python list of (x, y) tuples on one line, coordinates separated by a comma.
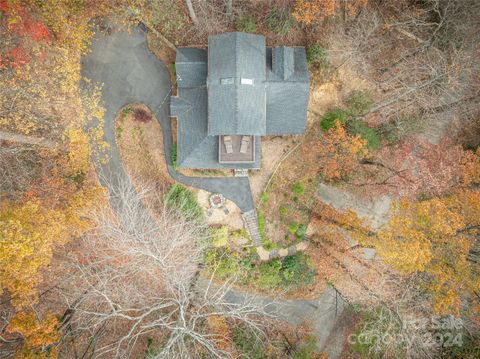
[(130, 73)]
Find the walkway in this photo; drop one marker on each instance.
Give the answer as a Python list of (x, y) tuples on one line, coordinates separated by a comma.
[(130, 73)]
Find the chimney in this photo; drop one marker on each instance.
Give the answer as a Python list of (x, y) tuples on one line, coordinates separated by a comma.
[(283, 61)]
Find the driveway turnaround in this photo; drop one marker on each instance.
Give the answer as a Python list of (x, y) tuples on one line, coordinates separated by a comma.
[(129, 73)]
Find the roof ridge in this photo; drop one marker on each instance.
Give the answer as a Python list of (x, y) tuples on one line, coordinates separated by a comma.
[(235, 113)]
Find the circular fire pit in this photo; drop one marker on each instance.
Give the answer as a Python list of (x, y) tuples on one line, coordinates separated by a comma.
[(217, 200)]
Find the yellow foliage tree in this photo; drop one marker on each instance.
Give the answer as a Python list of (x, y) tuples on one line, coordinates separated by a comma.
[(434, 237), (28, 235), (39, 336)]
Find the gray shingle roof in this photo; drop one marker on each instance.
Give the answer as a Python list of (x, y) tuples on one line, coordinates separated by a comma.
[(236, 108), (287, 104), (287, 98), (275, 104), (195, 148), (191, 67)]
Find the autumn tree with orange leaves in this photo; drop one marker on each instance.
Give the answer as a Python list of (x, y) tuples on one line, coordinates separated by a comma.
[(310, 11), (337, 154)]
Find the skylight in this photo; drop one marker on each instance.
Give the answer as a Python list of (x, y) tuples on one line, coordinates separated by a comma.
[(226, 81), (245, 81)]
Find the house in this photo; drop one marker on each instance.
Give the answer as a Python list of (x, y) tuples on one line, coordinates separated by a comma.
[(231, 95)]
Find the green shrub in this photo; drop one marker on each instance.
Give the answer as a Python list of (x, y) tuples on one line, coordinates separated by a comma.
[(356, 127), (182, 199), (119, 132), (317, 56), (297, 271), (245, 23), (269, 276), (283, 211), (402, 127), (223, 262), (298, 188), (264, 197), (329, 120), (248, 344), (173, 155), (220, 236), (261, 223), (151, 351), (359, 103), (301, 231), (280, 20), (307, 349), (268, 244), (293, 227), (126, 111)]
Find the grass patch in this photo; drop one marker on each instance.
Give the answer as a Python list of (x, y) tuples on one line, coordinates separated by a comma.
[(280, 20), (220, 236), (317, 56), (173, 155), (127, 110), (298, 188), (264, 197), (223, 262), (359, 103), (119, 132), (373, 327), (368, 133), (402, 127), (245, 23), (329, 120), (184, 200), (248, 344), (307, 350), (168, 17)]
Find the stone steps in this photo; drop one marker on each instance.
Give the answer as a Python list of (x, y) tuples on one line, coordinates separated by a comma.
[(251, 224), (240, 172)]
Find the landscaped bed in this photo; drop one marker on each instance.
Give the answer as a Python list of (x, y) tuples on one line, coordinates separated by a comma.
[(139, 139)]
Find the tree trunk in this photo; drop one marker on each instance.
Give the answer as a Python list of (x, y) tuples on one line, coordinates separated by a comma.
[(191, 12), (229, 4)]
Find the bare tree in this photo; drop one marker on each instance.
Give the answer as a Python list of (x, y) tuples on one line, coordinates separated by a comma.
[(421, 57), (191, 12), (137, 278)]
